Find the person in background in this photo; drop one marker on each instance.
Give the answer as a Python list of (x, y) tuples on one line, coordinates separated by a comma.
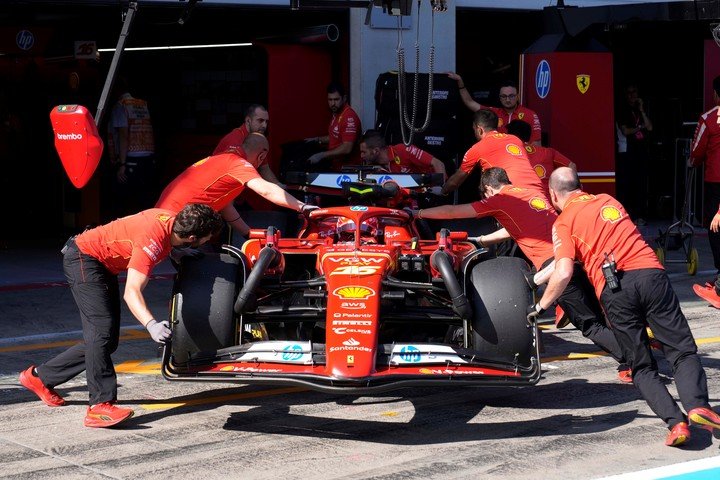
[(633, 165), (635, 292), (542, 159), (510, 107), (256, 121), (343, 132), (92, 262), (398, 158), (132, 151)]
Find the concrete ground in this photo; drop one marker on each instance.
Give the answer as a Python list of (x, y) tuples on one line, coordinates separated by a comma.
[(579, 422)]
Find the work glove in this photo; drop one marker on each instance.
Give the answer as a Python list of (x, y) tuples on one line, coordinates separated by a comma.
[(533, 312), (306, 209), (159, 331)]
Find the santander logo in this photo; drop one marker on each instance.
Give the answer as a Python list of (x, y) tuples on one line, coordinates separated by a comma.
[(69, 136)]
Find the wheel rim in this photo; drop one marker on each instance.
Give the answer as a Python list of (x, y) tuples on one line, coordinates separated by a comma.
[(693, 261)]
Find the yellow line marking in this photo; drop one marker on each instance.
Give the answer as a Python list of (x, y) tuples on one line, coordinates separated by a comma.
[(127, 335), (704, 341), (221, 398), (139, 367)]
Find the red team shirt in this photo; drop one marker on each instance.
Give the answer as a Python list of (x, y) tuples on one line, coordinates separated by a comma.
[(234, 141), (535, 214), (213, 181), (344, 127), (544, 160), (139, 241), (520, 113), (504, 151), (409, 159), (592, 225), (706, 144)]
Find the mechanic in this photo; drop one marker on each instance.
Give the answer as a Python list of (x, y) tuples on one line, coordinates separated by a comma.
[(398, 158), (92, 262), (633, 289), (510, 110), (495, 149), (217, 180), (706, 149), (542, 159), (132, 151), (343, 132), (256, 121), (527, 217)]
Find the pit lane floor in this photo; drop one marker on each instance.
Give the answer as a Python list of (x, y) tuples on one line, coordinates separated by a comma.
[(579, 422)]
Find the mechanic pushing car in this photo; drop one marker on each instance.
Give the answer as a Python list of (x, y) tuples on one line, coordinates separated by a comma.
[(495, 149), (634, 290), (527, 218), (92, 262), (217, 180), (398, 158)]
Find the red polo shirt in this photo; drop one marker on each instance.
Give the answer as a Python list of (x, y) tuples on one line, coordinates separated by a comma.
[(213, 181), (345, 127), (504, 151), (544, 160), (706, 144), (593, 225), (409, 159), (527, 216), (139, 241), (234, 141), (520, 113)]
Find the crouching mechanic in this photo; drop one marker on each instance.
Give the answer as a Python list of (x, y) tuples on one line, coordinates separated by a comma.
[(634, 290), (398, 158), (527, 218), (217, 180), (92, 262)]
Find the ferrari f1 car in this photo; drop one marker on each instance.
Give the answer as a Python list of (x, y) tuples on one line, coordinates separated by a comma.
[(356, 302)]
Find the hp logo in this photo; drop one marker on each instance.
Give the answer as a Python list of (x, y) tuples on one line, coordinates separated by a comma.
[(292, 353), (25, 39), (342, 179), (410, 354), (384, 178), (542, 79)]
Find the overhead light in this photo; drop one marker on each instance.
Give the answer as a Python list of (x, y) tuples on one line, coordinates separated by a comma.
[(179, 47)]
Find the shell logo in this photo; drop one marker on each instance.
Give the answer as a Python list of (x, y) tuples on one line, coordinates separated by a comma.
[(610, 214), (513, 149), (228, 368), (354, 292), (537, 203), (540, 170), (425, 371), (163, 217)]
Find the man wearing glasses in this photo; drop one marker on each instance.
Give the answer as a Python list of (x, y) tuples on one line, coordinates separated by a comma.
[(509, 111)]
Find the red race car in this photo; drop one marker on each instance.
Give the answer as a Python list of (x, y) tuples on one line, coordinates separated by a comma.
[(356, 302)]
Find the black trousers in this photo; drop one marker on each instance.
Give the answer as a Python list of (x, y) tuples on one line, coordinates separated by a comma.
[(97, 296), (582, 307), (646, 296), (710, 207)]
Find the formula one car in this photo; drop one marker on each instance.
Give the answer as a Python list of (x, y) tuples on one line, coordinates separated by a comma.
[(356, 302)]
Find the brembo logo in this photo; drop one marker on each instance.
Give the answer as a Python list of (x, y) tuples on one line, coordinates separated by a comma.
[(69, 136)]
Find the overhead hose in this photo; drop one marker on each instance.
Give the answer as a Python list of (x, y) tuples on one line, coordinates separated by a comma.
[(246, 299), (440, 260)]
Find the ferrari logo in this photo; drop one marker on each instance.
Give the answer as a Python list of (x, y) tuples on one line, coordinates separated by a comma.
[(397, 160), (538, 204), (500, 122), (530, 148), (521, 115), (583, 82), (350, 359), (610, 214), (540, 170), (513, 150)]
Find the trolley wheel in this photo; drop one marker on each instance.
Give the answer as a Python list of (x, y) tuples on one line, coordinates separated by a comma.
[(660, 252), (692, 261)]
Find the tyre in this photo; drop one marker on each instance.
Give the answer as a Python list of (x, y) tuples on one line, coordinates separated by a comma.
[(202, 309), (500, 295)]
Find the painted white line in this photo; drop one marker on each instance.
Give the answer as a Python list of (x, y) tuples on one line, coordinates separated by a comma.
[(672, 470), (5, 342)]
